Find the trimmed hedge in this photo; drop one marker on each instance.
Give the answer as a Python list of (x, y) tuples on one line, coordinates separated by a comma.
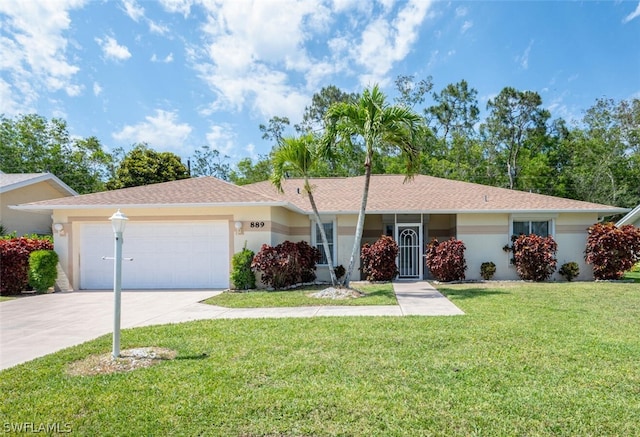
[(43, 270), (242, 277), (14, 262)]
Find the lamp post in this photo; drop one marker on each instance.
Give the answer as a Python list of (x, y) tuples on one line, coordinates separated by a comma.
[(118, 222)]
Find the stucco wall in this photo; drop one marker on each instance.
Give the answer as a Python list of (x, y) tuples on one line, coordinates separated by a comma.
[(484, 236), (23, 222)]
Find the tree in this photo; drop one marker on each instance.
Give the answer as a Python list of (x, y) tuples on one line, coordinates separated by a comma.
[(247, 172), (32, 144), (514, 119), (605, 154), (208, 162), (381, 127), (144, 166), (456, 110), (301, 155), (313, 117)]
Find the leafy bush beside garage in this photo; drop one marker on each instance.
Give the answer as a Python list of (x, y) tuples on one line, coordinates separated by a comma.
[(14, 261), (42, 269), (242, 277)]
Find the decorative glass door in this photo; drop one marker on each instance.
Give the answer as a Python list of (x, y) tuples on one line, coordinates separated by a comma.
[(409, 251)]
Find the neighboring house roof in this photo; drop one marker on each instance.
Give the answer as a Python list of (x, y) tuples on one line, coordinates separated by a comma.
[(393, 194), (13, 181), (631, 218), (387, 194), (200, 191)]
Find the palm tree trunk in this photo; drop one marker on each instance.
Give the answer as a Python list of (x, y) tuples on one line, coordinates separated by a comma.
[(323, 235), (355, 252)]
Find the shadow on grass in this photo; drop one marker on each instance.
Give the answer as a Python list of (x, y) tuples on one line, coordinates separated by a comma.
[(200, 356), (469, 293)]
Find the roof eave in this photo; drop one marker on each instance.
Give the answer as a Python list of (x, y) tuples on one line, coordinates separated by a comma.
[(42, 178)]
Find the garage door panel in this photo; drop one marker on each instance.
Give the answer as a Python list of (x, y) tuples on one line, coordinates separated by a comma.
[(165, 255)]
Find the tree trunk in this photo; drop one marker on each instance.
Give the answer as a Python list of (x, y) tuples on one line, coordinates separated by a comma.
[(323, 235), (355, 252)]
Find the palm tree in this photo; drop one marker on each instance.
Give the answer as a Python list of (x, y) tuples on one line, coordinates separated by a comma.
[(301, 155), (380, 126)]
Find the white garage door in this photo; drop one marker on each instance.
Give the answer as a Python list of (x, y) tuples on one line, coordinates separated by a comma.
[(165, 255)]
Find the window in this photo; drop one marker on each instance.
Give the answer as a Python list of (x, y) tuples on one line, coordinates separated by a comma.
[(541, 228), (328, 230)]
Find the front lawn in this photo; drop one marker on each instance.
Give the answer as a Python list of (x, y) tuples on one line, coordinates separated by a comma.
[(526, 359), (375, 294)]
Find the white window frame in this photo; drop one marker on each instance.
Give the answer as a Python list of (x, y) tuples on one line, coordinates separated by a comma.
[(551, 218), (316, 241)]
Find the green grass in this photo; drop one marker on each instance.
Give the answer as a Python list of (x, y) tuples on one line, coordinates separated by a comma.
[(375, 294), (5, 298), (526, 359)]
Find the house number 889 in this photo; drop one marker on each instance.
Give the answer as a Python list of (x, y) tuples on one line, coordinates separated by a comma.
[(257, 224)]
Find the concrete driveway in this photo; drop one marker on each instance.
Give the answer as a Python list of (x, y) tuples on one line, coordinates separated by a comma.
[(33, 326)]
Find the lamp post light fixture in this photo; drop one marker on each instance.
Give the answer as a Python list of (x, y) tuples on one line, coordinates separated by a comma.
[(118, 222)]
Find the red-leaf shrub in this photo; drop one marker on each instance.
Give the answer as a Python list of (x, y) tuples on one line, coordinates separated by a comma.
[(379, 259), (286, 264), (14, 262), (612, 250), (446, 260), (535, 257)]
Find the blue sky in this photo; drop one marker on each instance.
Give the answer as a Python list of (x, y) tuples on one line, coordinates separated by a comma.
[(179, 74)]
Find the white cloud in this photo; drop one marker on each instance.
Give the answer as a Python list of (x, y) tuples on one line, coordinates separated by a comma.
[(112, 50), (33, 57), (523, 59), (632, 15), (133, 10), (156, 28), (387, 40), (97, 89), (222, 138), (160, 131), (461, 11), (181, 6), (468, 24), (167, 59), (251, 51)]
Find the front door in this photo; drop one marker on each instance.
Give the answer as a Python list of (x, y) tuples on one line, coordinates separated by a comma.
[(409, 250)]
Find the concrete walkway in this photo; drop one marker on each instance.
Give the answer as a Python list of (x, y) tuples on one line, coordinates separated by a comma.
[(34, 326)]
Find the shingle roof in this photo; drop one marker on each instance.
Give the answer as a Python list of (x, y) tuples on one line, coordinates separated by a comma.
[(390, 193), (193, 191), (13, 181), (387, 194)]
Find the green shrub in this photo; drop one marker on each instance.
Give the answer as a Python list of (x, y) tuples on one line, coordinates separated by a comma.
[(379, 259), (487, 270), (242, 277), (636, 268), (43, 269), (569, 270)]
